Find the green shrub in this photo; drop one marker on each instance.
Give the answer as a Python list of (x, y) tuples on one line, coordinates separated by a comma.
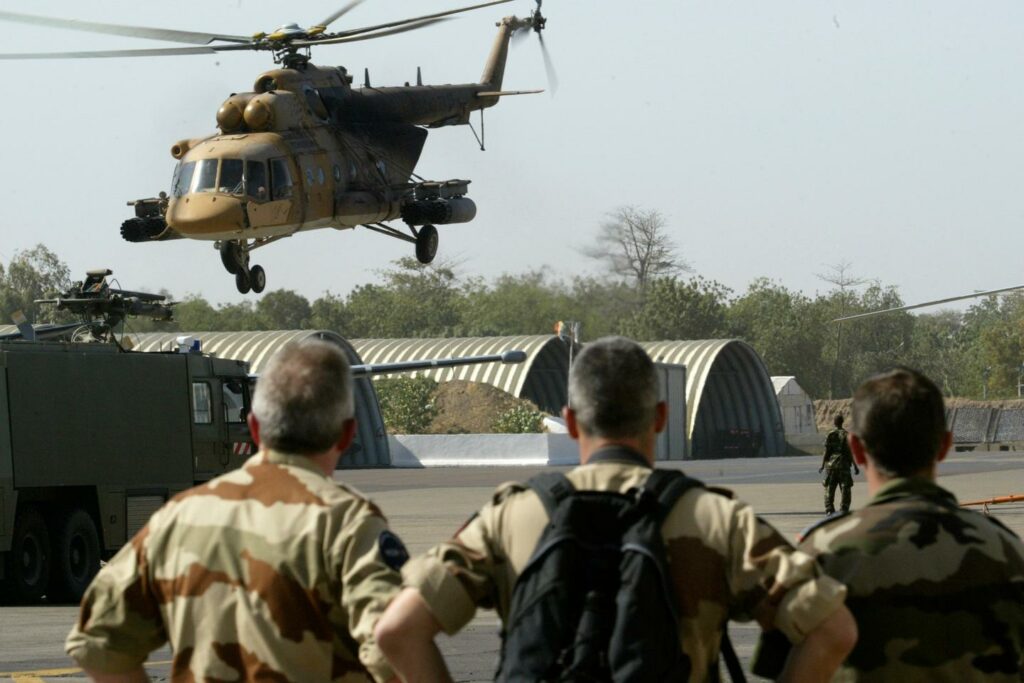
[(519, 420), (407, 403)]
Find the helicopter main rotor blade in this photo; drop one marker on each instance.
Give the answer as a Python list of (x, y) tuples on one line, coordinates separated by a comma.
[(368, 36), (340, 13), (391, 24), (171, 35), (146, 52), (928, 303)]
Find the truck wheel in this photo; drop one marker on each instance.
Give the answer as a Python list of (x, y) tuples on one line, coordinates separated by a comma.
[(27, 565), (76, 557)]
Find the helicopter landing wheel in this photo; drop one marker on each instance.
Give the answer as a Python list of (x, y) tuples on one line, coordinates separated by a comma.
[(426, 244), (242, 282), (232, 257), (257, 278)]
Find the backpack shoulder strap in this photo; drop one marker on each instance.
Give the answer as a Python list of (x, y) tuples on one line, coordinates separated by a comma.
[(668, 486), (552, 488)]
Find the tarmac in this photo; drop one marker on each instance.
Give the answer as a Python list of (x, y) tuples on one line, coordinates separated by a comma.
[(427, 505)]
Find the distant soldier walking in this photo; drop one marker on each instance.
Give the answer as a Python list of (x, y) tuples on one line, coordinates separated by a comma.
[(837, 461)]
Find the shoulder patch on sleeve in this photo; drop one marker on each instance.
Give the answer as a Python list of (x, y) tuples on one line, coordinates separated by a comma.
[(825, 521), (392, 549)]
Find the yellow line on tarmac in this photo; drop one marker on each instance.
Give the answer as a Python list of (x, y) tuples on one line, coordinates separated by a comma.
[(35, 676)]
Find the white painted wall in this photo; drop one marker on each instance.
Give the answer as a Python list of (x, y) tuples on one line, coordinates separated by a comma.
[(470, 450)]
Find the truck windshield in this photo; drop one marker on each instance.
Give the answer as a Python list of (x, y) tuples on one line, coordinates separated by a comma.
[(235, 409)]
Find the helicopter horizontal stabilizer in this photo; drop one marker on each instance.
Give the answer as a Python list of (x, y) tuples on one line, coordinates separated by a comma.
[(503, 93)]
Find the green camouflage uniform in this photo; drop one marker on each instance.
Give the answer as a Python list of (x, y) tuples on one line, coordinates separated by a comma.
[(725, 563), (937, 591), (271, 571), (837, 463)]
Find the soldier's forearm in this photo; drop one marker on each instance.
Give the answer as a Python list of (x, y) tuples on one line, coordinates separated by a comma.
[(405, 634), (823, 650)]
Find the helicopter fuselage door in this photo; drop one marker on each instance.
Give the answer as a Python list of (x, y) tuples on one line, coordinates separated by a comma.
[(271, 203), (318, 189)]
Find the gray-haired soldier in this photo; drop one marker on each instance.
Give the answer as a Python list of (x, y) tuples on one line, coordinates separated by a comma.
[(725, 561), (937, 590), (271, 571)]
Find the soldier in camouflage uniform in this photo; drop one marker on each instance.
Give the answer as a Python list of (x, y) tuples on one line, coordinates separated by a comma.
[(837, 461), (270, 572), (937, 590), (726, 563)]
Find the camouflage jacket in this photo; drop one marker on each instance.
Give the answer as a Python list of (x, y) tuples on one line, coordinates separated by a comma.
[(937, 590), (725, 563), (271, 571), (837, 450)]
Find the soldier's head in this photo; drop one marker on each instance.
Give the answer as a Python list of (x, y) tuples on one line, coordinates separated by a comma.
[(899, 420), (613, 392), (838, 421), (303, 402)]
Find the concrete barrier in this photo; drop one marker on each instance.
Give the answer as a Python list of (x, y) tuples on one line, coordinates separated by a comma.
[(473, 450)]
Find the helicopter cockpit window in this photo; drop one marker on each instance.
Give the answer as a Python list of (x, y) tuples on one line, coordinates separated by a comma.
[(206, 175), (280, 179), (256, 180), (183, 178), (230, 176)]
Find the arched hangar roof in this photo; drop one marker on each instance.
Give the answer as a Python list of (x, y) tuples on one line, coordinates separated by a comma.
[(542, 377), (256, 348), (729, 395)]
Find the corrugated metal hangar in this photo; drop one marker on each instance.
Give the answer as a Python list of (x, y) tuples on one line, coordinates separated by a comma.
[(731, 405), (732, 409)]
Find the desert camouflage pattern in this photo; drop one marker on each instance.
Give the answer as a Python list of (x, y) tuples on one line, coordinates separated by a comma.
[(272, 572), (937, 591), (725, 564)]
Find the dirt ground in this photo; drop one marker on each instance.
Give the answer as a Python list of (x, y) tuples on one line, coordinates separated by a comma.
[(470, 407)]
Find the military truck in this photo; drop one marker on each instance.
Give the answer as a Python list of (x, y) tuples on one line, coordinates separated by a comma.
[(92, 441)]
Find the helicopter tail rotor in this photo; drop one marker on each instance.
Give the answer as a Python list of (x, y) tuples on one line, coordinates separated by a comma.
[(536, 24)]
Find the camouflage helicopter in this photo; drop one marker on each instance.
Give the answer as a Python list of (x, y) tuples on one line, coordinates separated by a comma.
[(305, 149)]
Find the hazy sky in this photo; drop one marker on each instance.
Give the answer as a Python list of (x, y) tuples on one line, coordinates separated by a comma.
[(777, 138)]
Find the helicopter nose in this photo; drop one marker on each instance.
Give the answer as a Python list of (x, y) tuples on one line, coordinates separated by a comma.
[(206, 216)]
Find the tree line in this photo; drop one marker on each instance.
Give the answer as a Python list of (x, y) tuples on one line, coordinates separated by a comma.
[(975, 354)]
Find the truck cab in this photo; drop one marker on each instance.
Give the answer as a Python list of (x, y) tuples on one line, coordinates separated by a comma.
[(93, 440)]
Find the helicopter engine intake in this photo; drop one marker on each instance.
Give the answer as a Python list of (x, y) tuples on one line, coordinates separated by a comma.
[(439, 211)]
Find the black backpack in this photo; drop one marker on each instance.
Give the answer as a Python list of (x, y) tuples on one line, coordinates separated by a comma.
[(595, 602)]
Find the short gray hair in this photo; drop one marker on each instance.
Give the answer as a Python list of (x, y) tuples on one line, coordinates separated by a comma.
[(304, 397), (613, 388)]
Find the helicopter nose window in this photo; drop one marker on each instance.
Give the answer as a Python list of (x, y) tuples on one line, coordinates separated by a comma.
[(182, 178), (280, 179), (230, 176), (256, 180), (206, 175)]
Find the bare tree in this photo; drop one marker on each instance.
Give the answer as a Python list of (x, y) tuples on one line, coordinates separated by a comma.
[(839, 275), (636, 245)]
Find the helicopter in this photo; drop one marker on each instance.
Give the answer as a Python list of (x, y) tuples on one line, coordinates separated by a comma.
[(305, 149)]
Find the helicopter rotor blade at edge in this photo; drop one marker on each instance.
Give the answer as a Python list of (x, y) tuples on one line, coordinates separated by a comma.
[(928, 303), (171, 35), (340, 13)]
